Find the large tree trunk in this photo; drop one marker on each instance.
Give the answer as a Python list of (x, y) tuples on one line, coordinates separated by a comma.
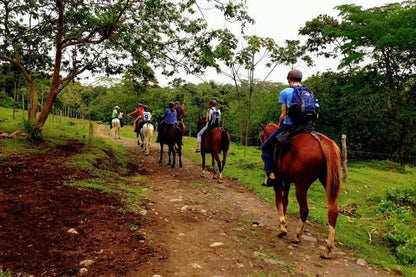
[(36, 134), (33, 104)]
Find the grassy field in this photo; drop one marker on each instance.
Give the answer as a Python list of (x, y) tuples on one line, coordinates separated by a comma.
[(377, 204)]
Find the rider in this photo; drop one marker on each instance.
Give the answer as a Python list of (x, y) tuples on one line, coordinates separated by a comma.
[(212, 118), (169, 118), (114, 114), (147, 117), (139, 112), (180, 111), (294, 78)]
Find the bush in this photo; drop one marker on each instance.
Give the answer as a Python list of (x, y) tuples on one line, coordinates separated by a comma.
[(5, 100), (406, 253)]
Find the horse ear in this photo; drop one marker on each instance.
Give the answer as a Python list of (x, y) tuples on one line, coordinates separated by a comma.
[(262, 125)]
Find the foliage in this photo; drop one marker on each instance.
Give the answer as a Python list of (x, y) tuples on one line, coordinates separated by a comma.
[(398, 207), (378, 45), (112, 37)]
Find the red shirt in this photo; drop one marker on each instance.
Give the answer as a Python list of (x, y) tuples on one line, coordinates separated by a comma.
[(139, 111)]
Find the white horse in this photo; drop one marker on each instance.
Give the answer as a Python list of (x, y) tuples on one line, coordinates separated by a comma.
[(116, 123), (146, 134)]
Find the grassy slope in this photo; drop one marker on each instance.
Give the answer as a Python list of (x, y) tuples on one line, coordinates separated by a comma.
[(368, 185)]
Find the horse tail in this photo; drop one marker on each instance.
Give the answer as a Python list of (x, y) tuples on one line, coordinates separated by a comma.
[(225, 141), (333, 169)]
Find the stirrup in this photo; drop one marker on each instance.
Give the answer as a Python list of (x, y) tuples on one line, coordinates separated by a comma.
[(270, 183)]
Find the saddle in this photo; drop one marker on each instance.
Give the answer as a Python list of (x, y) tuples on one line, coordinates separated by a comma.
[(209, 129), (284, 139)]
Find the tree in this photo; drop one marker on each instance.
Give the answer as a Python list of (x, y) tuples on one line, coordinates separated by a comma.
[(379, 41), (105, 36)]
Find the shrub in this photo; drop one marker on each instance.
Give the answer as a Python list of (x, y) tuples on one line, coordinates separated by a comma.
[(406, 253)]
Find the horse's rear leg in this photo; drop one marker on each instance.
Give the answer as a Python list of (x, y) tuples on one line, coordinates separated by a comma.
[(224, 159), (281, 192), (172, 155), (214, 157), (161, 153), (180, 155), (203, 164), (301, 196)]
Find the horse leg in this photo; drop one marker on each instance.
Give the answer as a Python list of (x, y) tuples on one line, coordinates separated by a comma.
[(281, 210), (213, 159), (180, 154), (217, 158), (332, 220), (161, 153), (301, 196), (224, 159), (172, 152), (203, 164)]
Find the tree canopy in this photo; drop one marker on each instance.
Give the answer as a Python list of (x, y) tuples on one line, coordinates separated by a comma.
[(62, 39)]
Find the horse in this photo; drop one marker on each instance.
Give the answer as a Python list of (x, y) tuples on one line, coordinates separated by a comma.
[(311, 156), (214, 141), (137, 130), (146, 134), (116, 124), (172, 136)]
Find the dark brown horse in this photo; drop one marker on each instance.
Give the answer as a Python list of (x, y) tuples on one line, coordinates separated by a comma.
[(172, 136), (214, 141), (137, 130), (311, 156)]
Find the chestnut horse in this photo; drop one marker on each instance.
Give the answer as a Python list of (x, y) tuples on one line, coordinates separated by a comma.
[(214, 141), (311, 156), (172, 137)]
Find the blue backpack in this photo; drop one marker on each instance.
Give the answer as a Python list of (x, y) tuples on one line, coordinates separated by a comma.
[(304, 106)]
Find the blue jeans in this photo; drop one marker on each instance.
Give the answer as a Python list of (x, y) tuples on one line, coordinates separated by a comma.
[(267, 149)]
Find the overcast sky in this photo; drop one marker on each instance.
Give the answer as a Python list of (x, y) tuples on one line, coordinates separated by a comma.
[(281, 20)]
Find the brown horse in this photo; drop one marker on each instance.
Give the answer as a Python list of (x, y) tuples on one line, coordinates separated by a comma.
[(137, 130), (172, 137), (214, 141), (311, 156)]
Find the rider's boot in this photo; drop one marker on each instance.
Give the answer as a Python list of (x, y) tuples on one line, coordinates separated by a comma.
[(198, 148)]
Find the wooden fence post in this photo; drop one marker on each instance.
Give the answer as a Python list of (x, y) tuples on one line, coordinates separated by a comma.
[(344, 158), (90, 134)]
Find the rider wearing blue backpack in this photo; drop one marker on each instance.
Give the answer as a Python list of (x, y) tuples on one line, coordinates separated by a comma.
[(298, 107)]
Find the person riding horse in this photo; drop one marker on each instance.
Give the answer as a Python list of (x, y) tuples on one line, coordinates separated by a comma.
[(114, 114), (146, 117), (139, 112), (282, 135), (180, 111), (169, 118), (212, 117)]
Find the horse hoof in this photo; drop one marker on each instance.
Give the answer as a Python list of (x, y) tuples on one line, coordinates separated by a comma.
[(281, 235), (219, 181), (295, 241)]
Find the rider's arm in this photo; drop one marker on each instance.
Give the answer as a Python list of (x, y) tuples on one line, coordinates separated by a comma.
[(283, 114), (207, 116)]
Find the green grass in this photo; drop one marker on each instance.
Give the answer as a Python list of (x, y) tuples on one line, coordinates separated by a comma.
[(378, 199)]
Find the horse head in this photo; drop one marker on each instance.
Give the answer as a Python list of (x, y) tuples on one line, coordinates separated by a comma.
[(201, 123), (267, 130)]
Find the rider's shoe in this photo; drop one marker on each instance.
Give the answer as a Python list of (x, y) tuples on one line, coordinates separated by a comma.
[(198, 150), (269, 183)]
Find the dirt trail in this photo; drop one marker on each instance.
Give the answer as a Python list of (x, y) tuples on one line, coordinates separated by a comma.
[(203, 228)]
